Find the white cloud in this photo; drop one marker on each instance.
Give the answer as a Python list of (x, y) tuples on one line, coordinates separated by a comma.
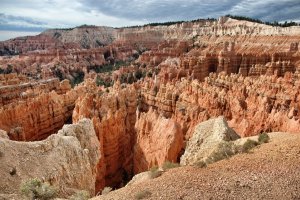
[(62, 13)]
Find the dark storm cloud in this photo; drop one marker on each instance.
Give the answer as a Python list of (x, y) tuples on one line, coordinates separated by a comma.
[(17, 23), (4, 19), (269, 10), (161, 10), (166, 10)]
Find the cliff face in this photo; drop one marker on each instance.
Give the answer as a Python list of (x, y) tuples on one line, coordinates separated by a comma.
[(25, 44), (216, 54), (84, 36), (66, 160), (113, 115), (80, 37)]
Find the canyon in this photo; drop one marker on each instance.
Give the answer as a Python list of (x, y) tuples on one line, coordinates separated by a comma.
[(132, 98)]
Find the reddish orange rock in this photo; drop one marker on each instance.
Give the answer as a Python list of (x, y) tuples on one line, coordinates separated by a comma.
[(158, 140), (113, 115)]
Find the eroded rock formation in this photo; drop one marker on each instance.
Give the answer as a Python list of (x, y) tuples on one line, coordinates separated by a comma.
[(33, 111), (113, 115), (250, 105)]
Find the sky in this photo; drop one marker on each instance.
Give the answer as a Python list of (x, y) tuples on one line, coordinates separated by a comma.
[(18, 17)]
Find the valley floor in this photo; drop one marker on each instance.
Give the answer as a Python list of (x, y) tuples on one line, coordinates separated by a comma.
[(270, 171)]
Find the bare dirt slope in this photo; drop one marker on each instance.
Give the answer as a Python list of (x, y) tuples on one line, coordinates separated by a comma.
[(270, 171)]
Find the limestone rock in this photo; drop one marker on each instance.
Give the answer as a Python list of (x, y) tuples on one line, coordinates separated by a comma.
[(207, 136), (67, 160)]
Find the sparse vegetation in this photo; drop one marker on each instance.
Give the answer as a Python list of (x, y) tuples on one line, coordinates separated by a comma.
[(154, 172), (169, 23), (106, 83), (201, 164), (143, 194), (78, 78), (106, 190), (80, 195), (36, 189), (275, 23), (248, 145), (224, 150), (109, 67), (263, 138), (227, 149), (170, 165)]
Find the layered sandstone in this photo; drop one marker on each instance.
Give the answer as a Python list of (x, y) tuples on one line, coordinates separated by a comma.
[(249, 61), (67, 160)]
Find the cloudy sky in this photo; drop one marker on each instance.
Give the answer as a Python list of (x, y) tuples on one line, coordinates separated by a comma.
[(34, 16)]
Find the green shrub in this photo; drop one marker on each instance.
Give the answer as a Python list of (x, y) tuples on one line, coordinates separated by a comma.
[(78, 78), (106, 190), (263, 138), (154, 172), (169, 165), (248, 145), (143, 194), (36, 189), (80, 195)]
